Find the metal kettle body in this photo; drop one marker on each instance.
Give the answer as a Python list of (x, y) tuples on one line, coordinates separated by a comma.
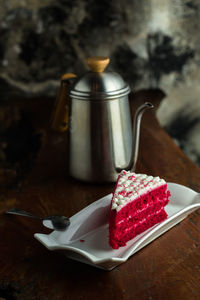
[(101, 140)]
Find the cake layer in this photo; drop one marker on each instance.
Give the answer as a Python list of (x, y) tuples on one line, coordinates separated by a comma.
[(119, 238), (159, 195), (133, 217)]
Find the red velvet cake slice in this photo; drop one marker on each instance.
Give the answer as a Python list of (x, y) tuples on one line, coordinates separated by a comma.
[(137, 204)]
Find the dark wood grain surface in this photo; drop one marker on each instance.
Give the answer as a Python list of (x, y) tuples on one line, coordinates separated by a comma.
[(168, 268)]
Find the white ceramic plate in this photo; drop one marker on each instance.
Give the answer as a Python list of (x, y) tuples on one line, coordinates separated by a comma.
[(86, 239)]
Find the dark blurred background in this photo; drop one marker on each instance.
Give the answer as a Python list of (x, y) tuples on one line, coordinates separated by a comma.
[(153, 44)]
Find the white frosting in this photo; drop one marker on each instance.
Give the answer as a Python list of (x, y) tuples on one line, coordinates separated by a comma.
[(131, 185)]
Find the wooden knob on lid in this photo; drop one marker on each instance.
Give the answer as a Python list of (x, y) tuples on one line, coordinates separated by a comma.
[(97, 63)]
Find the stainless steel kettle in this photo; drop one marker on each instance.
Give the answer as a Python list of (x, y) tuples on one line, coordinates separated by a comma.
[(95, 109)]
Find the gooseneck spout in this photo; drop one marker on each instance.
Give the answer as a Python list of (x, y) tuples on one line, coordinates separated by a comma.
[(136, 131)]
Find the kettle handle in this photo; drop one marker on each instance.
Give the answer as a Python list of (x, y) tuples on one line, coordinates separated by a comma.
[(59, 119)]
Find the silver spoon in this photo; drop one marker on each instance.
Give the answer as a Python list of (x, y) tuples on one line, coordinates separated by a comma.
[(58, 222)]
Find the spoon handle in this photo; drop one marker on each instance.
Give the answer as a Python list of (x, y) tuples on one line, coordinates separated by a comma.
[(16, 211)]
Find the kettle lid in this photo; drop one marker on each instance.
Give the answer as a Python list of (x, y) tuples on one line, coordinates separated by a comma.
[(98, 84)]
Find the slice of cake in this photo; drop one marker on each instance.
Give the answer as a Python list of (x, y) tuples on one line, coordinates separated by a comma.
[(137, 204)]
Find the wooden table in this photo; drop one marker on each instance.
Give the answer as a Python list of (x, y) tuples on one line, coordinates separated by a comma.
[(168, 268)]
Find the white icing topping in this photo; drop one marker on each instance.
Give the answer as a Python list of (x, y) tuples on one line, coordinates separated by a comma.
[(132, 185)]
